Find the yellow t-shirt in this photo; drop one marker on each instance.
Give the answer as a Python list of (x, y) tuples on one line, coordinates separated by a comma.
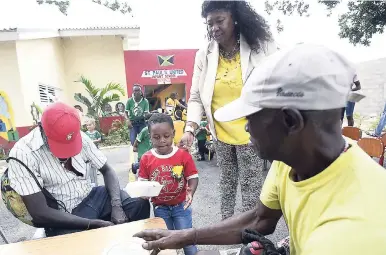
[(227, 88), (337, 212), (171, 106), (171, 102), (179, 130)]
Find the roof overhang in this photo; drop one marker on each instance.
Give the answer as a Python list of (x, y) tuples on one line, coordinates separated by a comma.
[(8, 35), (30, 34), (126, 32)]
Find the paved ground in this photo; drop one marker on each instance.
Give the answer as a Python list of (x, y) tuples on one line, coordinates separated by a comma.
[(206, 206)]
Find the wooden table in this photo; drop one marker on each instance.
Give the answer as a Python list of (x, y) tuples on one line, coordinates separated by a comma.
[(92, 242)]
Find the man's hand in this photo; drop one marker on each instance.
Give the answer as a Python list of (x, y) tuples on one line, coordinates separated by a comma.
[(118, 216), (129, 125), (100, 224), (166, 239), (135, 148), (189, 198)]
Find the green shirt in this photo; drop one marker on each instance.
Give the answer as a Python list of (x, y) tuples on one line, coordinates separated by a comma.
[(94, 135), (202, 133), (144, 142), (136, 111)]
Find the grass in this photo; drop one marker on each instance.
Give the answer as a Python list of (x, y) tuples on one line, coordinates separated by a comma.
[(366, 123)]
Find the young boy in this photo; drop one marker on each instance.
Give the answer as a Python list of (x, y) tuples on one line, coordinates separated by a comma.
[(201, 137), (174, 168), (141, 145), (94, 135)]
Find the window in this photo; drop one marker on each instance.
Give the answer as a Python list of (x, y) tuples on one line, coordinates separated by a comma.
[(47, 94)]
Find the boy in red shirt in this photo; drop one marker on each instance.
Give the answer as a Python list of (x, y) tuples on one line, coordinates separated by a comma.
[(174, 168)]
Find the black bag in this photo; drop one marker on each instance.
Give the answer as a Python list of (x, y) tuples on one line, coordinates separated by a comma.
[(14, 202), (256, 243)]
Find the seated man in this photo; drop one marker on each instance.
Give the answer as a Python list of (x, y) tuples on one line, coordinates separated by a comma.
[(60, 156), (328, 189)]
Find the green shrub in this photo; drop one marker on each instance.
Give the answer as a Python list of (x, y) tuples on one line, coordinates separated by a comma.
[(118, 134)]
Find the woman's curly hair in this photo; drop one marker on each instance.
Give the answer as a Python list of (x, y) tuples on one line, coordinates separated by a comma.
[(251, 25)]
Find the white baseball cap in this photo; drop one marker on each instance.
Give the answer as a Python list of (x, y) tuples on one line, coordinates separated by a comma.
[(304, 77)]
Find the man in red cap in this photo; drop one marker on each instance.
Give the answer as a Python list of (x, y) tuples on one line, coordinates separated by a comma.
[(61, 157)]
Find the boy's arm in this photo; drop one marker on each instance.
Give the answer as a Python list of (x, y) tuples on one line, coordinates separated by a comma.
[(143, 173), (147, 106), (138, 140), (135, 145), (99, 138), (192, 185), (179, 104), (190, 190), (357, 85), (191, 175)]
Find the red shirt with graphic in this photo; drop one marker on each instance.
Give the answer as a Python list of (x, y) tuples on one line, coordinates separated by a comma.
[(172, 171)]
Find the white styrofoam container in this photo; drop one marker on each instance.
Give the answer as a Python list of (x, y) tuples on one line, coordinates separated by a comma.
[(143, 189)]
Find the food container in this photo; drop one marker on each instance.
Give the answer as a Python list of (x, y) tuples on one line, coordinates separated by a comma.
[(355, 96), (143, 189)]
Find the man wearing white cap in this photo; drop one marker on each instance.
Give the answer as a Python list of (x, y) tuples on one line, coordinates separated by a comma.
[(329, 191)]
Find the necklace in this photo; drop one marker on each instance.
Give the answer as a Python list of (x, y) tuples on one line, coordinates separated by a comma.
[(230, 54)]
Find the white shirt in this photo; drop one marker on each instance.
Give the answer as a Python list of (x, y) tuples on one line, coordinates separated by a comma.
[(63, 184)]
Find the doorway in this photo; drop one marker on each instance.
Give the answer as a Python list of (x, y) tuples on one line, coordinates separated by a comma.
[(158, 94)]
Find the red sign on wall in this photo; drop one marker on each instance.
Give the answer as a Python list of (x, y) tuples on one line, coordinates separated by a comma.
[(152, 67)]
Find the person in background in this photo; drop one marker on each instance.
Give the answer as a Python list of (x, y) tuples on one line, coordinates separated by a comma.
[(141, 145), (107, 110), (329, 191), (59, 155), (137, 107), (182, 102), (175, 169), (120, 109), (94, 135), (349, 109), (381, 124), (81, 114), (201, 137), (172, 103), (239, 40)]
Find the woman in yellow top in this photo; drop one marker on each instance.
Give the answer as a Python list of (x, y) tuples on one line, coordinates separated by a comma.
[(239, 40)]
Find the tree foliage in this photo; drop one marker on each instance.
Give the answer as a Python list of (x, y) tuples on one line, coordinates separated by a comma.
[(114, 5), (62, 5), (362, 20), (98, 97)]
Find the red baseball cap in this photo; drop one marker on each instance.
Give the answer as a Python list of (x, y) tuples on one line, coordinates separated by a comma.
[(61, 124)]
